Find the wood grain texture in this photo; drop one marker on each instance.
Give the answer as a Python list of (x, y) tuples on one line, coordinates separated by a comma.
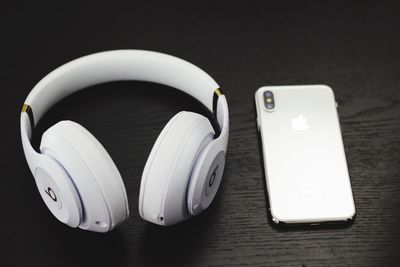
[(353, 48)]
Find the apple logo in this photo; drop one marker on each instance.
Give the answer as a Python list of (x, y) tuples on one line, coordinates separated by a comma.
[(300, 123)]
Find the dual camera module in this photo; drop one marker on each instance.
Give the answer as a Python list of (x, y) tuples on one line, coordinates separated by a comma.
[(269, 101)]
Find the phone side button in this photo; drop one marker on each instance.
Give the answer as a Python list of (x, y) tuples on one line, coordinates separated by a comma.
[(258, 124)]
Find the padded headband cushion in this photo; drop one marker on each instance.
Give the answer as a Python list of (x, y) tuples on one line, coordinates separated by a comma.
[(167, 172), (99, 183), (121, 65)]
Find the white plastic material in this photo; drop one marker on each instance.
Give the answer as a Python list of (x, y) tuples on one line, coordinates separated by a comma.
[(207, 173), (167, 172), (206, 179), (58, 192), (93, 178), (92, 170), (120, 65)]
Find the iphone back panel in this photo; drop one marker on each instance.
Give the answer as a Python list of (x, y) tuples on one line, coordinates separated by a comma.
[(304, 159)]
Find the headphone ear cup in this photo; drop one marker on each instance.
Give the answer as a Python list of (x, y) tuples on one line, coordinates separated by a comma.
[(58, 191), (206, 178), (167, 172), (93, 173)]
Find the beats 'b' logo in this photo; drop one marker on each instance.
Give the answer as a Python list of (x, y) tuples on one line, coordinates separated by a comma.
[(213, 176), (51, 194)]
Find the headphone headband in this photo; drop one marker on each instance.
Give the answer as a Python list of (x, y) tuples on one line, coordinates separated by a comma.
[(119, 65)]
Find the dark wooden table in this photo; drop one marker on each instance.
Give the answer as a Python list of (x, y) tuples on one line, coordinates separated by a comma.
[(354, 48)]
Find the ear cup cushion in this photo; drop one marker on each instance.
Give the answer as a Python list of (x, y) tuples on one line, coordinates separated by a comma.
[(167, 172), (92, 170)]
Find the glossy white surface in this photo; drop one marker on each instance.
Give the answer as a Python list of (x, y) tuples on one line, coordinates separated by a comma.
[(304, 159)]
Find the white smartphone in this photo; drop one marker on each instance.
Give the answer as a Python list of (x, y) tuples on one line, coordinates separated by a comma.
[(304, 159)]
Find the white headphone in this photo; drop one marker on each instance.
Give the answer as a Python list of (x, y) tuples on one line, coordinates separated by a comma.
[(76, 177)]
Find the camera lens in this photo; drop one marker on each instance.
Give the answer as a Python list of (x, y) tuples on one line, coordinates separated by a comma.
[(267, 94), (269, 101), (269, 106)]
